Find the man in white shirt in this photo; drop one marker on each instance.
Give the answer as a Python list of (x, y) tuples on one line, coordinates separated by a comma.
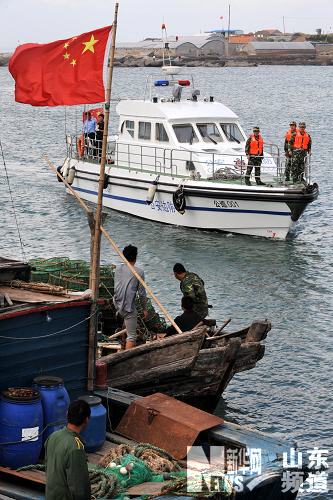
[(126, 285)]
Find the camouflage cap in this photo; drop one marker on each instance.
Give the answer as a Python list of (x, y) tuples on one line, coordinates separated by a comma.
[(293, 123), (302, 124)]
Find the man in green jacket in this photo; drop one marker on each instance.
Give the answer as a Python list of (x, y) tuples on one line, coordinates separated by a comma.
[(67, 476), (192, 286)]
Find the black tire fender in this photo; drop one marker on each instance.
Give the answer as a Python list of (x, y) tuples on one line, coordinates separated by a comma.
[(178, 199)]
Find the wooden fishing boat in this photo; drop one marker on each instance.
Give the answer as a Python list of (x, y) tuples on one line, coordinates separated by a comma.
[(193, 366), (40, 333)]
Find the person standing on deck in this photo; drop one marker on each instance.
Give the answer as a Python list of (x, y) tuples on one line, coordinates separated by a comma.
[(193, 286), (299, 148), (67, 476), (254, 150), (126, 285), (99, 134), (287, 138), (89, 131)]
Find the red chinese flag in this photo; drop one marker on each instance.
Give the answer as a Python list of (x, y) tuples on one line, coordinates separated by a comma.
[(94, 113), (60, 73)]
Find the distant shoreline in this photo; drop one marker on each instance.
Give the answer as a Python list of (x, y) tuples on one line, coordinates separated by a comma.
[(129, 61)]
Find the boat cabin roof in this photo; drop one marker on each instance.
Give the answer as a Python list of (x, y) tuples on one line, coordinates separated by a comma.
[(175, 110)]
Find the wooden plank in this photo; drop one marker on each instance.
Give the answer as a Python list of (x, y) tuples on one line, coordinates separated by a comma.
[(8, 299), (183, 338), (149, 488), (31, 297), (144, 375), (31, 475)]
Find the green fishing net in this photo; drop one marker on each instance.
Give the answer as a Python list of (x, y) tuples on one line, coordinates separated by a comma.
[(73, 275)]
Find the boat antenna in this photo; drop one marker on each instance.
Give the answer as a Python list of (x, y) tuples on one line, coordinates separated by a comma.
[(13, 204), (165, 44), (96, 243)]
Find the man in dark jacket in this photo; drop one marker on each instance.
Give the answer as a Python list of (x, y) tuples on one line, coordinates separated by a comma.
[(67, 476), (186, 321)]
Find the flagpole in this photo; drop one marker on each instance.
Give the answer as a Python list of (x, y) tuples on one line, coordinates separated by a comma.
[(95, 261)]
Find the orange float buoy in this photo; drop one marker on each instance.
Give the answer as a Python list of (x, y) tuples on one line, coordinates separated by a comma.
[(80, 146)]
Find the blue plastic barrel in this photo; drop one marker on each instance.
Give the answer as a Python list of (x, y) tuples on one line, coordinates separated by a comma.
[(21, 424), (55, 401), (94, 434)]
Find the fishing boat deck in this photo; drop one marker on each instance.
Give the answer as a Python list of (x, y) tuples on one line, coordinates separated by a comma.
[(21, 300), (37, 479)]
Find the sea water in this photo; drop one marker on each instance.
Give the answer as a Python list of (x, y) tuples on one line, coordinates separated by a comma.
[(289, 393)]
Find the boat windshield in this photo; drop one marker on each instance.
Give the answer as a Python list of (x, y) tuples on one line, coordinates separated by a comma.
[(232, 132), (185, 133), (209, 132)]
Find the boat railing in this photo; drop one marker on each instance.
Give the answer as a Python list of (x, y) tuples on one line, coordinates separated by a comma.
[(183, 162)]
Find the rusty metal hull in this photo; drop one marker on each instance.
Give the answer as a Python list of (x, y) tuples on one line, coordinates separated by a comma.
[(189, 366)]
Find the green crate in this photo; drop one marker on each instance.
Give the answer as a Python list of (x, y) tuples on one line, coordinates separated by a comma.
[(57, 260), (78, 282), (39, 276), (38, 261), (55, 279), (77, 264)]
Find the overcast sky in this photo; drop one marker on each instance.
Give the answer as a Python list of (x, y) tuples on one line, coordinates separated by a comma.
[(48, 20)]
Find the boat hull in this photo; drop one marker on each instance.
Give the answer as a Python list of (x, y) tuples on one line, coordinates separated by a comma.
[(256, 211), (187, 366)]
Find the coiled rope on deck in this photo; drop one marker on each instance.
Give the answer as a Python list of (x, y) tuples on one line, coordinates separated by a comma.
[(102, 485), (155, 458)]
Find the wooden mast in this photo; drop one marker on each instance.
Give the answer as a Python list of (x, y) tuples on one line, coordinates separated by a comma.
[(95, 260)]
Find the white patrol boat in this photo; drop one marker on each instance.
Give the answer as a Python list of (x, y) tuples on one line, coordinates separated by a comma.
[(181, 160)]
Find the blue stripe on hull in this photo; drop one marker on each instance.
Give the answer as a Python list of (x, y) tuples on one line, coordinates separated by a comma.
[(198, 209)]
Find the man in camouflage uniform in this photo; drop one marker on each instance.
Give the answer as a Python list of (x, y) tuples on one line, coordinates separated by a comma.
[(289, 134), (192, 286), (299, 148)]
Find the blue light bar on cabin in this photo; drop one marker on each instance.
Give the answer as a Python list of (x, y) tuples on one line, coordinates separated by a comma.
[(161, 83)]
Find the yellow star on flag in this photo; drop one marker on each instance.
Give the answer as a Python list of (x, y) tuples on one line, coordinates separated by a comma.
[(66, 56), (73, 62), (66, 45), (89, 45)]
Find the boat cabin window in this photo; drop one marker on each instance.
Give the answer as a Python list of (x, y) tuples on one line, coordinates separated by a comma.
[(232, 132), (128, 125), (185, 133), (209, 132), (160, 133), (145, 130)]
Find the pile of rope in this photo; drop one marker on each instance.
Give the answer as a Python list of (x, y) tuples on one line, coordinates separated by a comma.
[(102, 485), (37, 287), (155, 458)]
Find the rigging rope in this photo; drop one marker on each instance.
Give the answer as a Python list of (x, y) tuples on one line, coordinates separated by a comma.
[(59, 332), (13, 205)]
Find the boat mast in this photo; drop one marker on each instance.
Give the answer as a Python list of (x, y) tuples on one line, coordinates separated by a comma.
[(95, 261)]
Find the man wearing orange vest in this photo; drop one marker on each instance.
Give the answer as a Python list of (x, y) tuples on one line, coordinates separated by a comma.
[(287, 138), (254, 150), (299, 147)]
